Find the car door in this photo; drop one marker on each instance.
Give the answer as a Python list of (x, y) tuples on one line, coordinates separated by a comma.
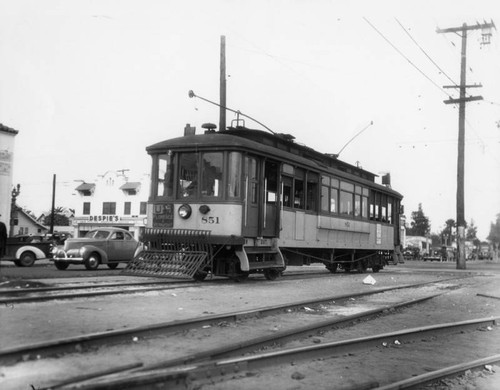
[(116, 250)]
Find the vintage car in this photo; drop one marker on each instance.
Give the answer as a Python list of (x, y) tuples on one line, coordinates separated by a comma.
[(105, 245), (25, 249)]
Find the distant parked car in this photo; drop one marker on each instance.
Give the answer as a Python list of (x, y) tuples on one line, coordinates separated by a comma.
[(25, 249), (108, 246)]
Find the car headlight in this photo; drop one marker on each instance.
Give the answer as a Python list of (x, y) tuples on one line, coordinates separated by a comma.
[(184, 211)]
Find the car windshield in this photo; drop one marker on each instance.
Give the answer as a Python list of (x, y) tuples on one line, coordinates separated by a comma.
[(97, 234)]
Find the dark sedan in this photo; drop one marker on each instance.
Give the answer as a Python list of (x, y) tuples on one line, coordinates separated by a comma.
[(105, 245)]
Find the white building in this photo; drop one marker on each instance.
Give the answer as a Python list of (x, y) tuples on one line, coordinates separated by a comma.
[(7, 136), (112, 200)]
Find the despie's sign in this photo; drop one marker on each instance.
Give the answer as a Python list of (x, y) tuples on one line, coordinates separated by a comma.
[(104, 218)]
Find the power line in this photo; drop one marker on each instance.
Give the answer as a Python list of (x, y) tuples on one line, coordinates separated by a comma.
[(423, 51), (406, 58)]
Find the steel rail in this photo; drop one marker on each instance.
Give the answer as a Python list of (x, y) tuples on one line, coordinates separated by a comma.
[(181, 377), (58, 346), (446, 372), (39, 298), (19, 291)]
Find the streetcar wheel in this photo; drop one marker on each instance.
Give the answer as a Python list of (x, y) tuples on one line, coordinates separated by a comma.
[(200, 276), (361, 268), (376, 268), (332, 267), (92, 261), (61, 265), (27, 259), (271, 273), (241, 277), (112, 265)]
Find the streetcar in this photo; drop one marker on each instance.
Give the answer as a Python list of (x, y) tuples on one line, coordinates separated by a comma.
[(240, 201)]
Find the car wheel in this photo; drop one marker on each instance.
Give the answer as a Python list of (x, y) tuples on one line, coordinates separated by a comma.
[(332, 267), (112, 265), (92, 261), (27, 259), (61, 265)]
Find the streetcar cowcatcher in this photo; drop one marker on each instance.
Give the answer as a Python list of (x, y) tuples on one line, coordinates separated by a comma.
[(172, 253)]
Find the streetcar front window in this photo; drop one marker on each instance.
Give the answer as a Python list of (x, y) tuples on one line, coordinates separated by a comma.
[(211, 174), (165, 175), (188, 175)]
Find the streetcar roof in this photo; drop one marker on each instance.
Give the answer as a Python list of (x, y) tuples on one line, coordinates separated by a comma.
[(280, 146)]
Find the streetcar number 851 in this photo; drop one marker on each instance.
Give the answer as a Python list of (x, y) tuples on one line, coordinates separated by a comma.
[(210, 220)]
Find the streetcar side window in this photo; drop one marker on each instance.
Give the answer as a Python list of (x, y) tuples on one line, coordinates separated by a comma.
[(211, 174), (389, 210), (298, 191), (334, 196), (346, 198), (383, 208), (287, 191), (165, 175), (364, 203), (325, 194), (312, 191), (234, 175), (188, 175)]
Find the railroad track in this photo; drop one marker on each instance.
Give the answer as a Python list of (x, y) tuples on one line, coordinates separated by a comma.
[(61, 346), (133, 337)]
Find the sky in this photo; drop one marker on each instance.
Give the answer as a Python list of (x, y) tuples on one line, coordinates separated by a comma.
[(90, 84)]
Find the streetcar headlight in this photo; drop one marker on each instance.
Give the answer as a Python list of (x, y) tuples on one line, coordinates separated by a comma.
[(184, 211), (204, 209)]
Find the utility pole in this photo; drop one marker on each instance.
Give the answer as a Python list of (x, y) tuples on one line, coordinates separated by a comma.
[(461, 129), (52, 212), (222, 102)]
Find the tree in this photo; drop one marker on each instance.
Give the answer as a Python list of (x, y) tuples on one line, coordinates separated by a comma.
[(494, 236), (447, 235), (471, 234), (60, 219), (420, 225)]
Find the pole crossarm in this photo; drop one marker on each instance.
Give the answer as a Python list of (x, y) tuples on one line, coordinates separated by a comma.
[(465, 86), (460, 100), (466, 28)]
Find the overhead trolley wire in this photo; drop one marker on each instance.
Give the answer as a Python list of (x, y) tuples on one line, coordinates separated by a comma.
[(406, 58), (425, 53)]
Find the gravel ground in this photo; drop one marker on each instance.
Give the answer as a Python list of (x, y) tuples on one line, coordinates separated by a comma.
[(30, 323)]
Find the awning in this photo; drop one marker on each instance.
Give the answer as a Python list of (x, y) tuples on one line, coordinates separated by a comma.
[(132, 185), (85, 187)]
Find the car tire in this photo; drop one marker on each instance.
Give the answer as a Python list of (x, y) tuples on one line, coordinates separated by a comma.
[(92, 262), (27, 259), (61, 265), (112, 265)]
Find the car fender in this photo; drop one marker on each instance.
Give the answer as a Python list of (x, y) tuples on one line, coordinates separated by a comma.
[(138, 250), (89, 249), (30, 248)]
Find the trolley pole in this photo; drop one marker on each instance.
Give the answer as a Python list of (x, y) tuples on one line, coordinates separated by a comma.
[(222, 103), (461, 260)]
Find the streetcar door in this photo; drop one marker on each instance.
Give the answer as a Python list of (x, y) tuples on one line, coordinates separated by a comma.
[(271, 199), (251, 207)]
